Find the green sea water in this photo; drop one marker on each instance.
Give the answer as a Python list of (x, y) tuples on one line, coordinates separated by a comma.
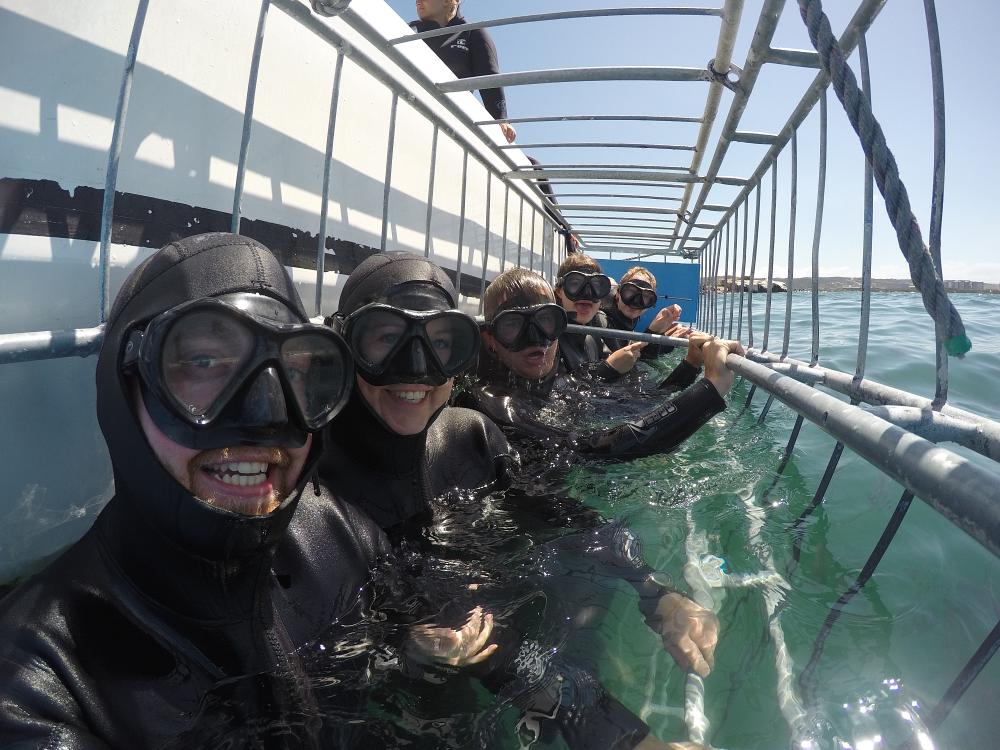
[(899, 642)]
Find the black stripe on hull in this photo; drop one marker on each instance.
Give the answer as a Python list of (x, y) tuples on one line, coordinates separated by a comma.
[(42, 208)]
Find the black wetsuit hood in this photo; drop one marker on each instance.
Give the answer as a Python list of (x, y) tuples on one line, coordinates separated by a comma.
[(155, 512)]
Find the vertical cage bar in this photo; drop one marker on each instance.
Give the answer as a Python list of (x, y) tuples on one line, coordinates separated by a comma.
[(520, 230), (725, 273), (753, 266), (486, 241), (506, 216), (387, 188), (791, 240), (461, 226), (869, 218), (770, 256), (937, 197), (744, 286), (732, 295), (114, 154), (241, 166), (430, 191), (324, 210), (818, 232), (531, 254)]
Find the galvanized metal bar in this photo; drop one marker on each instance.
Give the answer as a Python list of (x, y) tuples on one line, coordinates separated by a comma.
[(531, 252), (38, 345), (720, 67), (461, 224), (861, 20), (794, 200), (558, 16), (547, 169), (486, 242), (324, 210), (520, 232), (753, 267), (725, 272), (592, 118), (506, 215), (868, 231), (818, 229), (575, 75), (624, 209), (599, 144), (799, 58), (387, 185), (745, 136), (561, 196), (770, 256), (715, 285), (961, 683), (626, 221), (937, 195), (606, 173), (963, 492), (608, 183), (732, 286), (867, 391), (114, 154), (744, 284), (241, 164), (939, 428), (430, 191), (824, 485), (634, 235)]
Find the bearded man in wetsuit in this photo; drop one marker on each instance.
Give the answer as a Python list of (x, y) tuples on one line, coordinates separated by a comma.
[(174, 621), (467, 53)]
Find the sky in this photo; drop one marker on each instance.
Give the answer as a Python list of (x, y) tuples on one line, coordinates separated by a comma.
[(900, 70)]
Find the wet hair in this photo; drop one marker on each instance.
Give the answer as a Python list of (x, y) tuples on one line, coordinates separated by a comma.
[(515, 284), (634, 271), (579, 262)]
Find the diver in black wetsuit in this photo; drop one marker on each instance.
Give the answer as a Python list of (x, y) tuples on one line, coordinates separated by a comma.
[(174, 620), (581, 286), (635, 294), (397, 447), (468, 53)]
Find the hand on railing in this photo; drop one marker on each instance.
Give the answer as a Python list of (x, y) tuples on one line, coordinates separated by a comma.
[(689, 632), (710, 352)]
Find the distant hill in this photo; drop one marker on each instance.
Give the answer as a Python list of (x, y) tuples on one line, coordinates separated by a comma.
[(853, 283)]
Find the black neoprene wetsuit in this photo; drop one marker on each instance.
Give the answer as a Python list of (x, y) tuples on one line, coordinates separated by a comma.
[(611, 317), (516, 403), (585, 354), (468, 54), (173, 623)]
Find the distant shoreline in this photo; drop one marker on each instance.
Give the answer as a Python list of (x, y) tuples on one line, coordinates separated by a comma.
[(853, 284)]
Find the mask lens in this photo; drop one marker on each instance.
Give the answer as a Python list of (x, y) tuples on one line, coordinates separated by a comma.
[(550, 322), (453, 339), (507, 328), (376, 335), (315, 367), (583, 286), (636, 296), (573, 283), (202, 354)]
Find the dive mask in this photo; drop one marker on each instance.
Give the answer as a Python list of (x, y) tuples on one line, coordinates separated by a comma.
[(637, 294), (539, 325), (239, 369), (396, 345), (580, 286)]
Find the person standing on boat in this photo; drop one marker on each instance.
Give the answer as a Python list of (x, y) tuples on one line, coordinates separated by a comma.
[(581, 287), (635, 294), (176, 618), (468, 53)]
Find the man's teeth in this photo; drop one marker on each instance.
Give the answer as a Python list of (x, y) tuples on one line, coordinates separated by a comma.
[(414, 397), (242, 474)]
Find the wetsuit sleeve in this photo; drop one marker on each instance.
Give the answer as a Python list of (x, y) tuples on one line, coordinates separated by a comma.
[(652, 351), (484, 62), (515, 415), (660, 430), (681, 377)]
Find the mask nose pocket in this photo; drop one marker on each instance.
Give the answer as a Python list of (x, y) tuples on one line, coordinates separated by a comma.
[(263, 404)]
